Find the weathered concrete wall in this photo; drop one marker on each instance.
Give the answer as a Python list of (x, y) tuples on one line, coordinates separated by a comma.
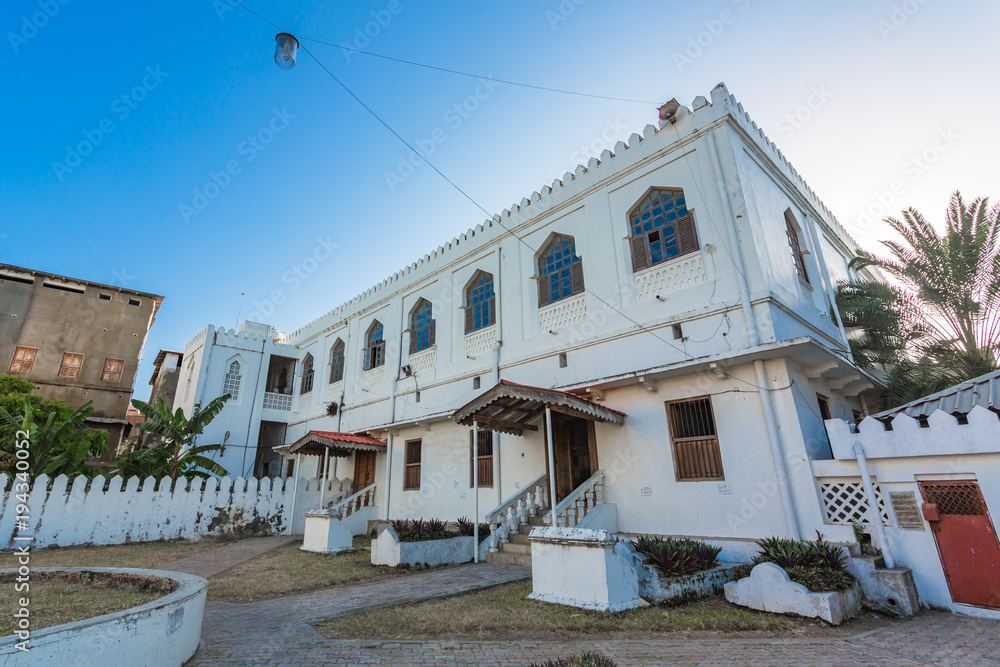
[(63, 514), (388, 550), (163, 632), (768, 588)]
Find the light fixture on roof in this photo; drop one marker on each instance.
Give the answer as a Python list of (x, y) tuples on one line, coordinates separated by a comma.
[(284, 52)]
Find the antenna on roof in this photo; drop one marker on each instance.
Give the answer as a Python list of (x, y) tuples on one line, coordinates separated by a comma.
[(239, 310)]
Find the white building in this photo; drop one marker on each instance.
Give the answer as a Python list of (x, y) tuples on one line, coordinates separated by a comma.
[(682, 282)]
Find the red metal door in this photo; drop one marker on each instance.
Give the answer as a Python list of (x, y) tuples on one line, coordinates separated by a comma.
[(967, 542)]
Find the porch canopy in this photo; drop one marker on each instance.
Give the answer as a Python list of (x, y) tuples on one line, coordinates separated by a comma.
[(515, 408), (319, 443)]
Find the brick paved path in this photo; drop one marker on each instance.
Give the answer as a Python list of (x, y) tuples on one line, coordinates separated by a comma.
[(216, 561), (276, 632)]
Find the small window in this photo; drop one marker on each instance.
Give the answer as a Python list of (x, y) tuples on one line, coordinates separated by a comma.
[(307, 374), (824, 407), (476, 383), (374, 346), (337, 362), (421, 327), (563, 360), (70, 366), (696, 444), (483, 458), (793, 243), (678, 331), (662, 228), (560, 271), (480, 303), (112, 370), (231, 383), (411, 477), (104, 297), (134, 302), (24, 359)]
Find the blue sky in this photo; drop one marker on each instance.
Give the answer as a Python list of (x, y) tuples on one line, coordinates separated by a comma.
[(209, 171)]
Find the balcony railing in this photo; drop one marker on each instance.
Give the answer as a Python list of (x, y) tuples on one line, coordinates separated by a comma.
[(274, 401)]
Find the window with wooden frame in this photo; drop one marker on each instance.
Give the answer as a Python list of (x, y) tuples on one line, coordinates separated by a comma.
[(480, 303), (560, 271), (411, 472), (23, 360), (231, 383), (824, 407), (483, 458), (70, 365), (662, 228), (422, 329), (798, 257), (337, 355), (112, 370), (695, 442), (374, 346), (307, 374)]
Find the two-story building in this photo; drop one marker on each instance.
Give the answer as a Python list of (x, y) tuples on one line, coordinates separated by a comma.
[(655, 330)]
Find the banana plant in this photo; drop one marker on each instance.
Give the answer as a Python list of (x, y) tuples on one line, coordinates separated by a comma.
[(55, 446)]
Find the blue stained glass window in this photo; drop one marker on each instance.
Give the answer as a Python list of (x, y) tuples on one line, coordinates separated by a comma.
[(481, 299), (420, 327), (656, 222), (555, 266), (374, 346)]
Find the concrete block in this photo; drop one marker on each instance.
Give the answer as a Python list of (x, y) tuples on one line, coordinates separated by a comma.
[(388, 550), (890, 591), (325, 534), (768, 588), (658, 589)]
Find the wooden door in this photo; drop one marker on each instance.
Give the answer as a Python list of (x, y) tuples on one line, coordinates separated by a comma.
[(364, 470), (574, 449), (966, 541)]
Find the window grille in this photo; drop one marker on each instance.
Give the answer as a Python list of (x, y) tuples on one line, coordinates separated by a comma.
[(793, 243), (955, 498), (846, 503), (695, 442), (231, 383)]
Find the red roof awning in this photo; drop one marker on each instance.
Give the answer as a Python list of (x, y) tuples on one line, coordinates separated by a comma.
[(334, 443)]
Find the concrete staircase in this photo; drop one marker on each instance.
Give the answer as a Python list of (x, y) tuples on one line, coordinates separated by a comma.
[(517, 551)]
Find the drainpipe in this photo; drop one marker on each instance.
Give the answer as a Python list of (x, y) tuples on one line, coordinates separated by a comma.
[(496, 434), (295, 492), (475, 488), (552, 466), (774, 440), (388, 477), (873, 513)]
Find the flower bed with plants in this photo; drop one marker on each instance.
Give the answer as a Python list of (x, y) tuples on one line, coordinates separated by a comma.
[(679, 570), (426, 543), (819, 566)]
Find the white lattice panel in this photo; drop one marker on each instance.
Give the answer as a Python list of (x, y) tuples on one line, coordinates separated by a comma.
[(670, 276), (562, 313), (480, 341), (846, 502), (375, 377), (423, 360), (277, 401)]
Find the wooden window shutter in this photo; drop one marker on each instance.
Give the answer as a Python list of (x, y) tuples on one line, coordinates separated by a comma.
[(640, 258), (413, 340), (544, 291), (492, 305), (576, 277), (687, 235), (433, 329), (469, 313)]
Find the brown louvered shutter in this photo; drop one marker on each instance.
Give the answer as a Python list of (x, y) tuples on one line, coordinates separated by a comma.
[(431, 333), (468, 318), (687, 235), (544, 291), (640, 258), (413, 340), (576, 277), (492, 305)]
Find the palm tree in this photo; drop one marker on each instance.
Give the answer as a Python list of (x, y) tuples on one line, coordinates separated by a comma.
[(177, 455), (56, 444), (937, 322)]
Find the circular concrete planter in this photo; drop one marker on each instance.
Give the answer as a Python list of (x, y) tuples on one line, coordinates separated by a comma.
[(163, 632)]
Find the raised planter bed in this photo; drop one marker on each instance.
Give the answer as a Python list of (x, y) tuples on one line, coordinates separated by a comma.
[(659, 589), (768, 588), (388, 550)]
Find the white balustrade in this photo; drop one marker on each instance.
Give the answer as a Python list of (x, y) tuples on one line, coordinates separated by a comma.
[(578, 504), (351, 504), (274, 401), (516, 511)]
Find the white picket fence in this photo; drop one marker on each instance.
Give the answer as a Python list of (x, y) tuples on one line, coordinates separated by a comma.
[(101, 511)]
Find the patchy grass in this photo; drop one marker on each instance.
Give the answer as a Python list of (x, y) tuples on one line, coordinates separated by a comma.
[(146, 555), (505, 612), (54, 602), (289, 570)]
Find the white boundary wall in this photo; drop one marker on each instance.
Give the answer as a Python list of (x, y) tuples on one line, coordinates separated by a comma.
[(63, 514)]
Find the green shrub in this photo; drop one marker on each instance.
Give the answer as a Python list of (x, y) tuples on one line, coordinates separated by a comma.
[(466, 528), (819, 566), (821, 579), (676, 557), (585, 659)]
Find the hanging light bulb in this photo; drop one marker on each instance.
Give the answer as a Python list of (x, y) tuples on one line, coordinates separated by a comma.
[(284, 52)]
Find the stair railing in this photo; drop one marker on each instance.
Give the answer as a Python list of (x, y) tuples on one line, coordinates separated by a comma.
[(571, 510), (353, 503), (516, 511)]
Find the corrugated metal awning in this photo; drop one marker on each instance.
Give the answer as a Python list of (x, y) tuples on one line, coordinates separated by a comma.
[(336, 444), (513, 408), (983, 391)]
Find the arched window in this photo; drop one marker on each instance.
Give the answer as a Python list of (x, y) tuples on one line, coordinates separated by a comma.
[(560, 271), (480, 303), (374, 346), (421, 326), (307, 374), (231, 383), (337, 361), (793, 243), (662, 228)]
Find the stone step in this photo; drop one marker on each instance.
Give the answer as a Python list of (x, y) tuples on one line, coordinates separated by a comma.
[(515, 548), (521, 560), (519, 538)]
